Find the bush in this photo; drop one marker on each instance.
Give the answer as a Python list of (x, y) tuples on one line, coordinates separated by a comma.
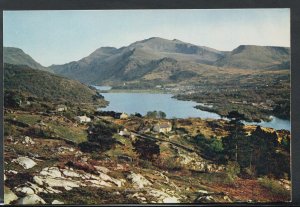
[(232, 170), (212, 147), (169, 164), (274, 187), (9, 129)]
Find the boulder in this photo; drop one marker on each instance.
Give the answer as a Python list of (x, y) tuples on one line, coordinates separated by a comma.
[(163, 197), (52, 172), (102, 169), (28, 140), (25, 162), (25, 190), (31, 200), (138, 180), (70, 173), (57, 202), (38, 180), (9, 196)]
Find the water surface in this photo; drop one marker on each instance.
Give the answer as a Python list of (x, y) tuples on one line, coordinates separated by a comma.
[(132, 103)]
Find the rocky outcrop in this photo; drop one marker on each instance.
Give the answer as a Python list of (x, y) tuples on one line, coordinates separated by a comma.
[(138, 180), (9, 196), (25, 162), (31, 200)]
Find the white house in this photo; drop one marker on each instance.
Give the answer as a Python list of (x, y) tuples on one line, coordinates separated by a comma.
[(124, 116), (83, 119), (61, 108), (163, 127)]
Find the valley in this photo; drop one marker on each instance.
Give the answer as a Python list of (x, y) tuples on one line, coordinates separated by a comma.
[(181, 138)]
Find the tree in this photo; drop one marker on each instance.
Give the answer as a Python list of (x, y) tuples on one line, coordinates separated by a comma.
[(212, 147), (147, 149), (161, 114), (235, 142), (235, 115), (151, 114), (264, 151), (102, 134), (156, 114)]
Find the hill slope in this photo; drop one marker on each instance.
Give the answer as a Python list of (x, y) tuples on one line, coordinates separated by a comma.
[(17, 56), (257, 57), (46, 85)]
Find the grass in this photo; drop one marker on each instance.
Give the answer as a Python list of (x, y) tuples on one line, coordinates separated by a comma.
[(75, 134), (25, 118)]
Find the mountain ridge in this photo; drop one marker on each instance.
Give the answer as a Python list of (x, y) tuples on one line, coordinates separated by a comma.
[(140, 61)]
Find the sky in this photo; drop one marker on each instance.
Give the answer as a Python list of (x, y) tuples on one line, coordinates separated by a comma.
[(58, 37)]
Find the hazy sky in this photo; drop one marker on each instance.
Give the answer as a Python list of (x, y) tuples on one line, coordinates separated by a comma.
[(57, 37)]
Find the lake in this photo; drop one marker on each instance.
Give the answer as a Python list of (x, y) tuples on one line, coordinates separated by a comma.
[(131, 103)]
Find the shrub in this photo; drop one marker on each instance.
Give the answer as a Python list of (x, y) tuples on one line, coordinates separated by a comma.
[(274, 187), (232, 170), (9, 129)]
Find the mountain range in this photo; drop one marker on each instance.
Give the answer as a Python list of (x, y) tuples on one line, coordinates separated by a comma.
[(160, 59)]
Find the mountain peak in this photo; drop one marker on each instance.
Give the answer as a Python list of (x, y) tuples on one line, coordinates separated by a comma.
[(16, 56)]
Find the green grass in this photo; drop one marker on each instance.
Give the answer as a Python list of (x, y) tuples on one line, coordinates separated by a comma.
[(25, 118), (74, 133)]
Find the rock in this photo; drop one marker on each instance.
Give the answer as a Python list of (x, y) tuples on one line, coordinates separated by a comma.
[(120, 167), (102, 169), (56, 182), (25, 162), (125, 158), (31, 199), (99, 183), (63, 149), (12, 171), (52, 172), (163, 197), (25, 190), (28, 140), (38, 180), (170, 200), (84, 159), (36, 188), (138, 180), (105, 177), (203, 192), (57, 202), (9, 196), (52, 190), (70, 173), (10, 139)]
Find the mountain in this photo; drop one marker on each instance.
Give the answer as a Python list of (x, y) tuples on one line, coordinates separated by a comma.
[(17, 56), (136, 60), (257, 57), (167, 61), (45, 85)]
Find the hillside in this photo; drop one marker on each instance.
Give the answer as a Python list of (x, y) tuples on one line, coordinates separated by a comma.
[(45, 85), (107, 65), (257, 57), (157, 60), (17, 56)]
